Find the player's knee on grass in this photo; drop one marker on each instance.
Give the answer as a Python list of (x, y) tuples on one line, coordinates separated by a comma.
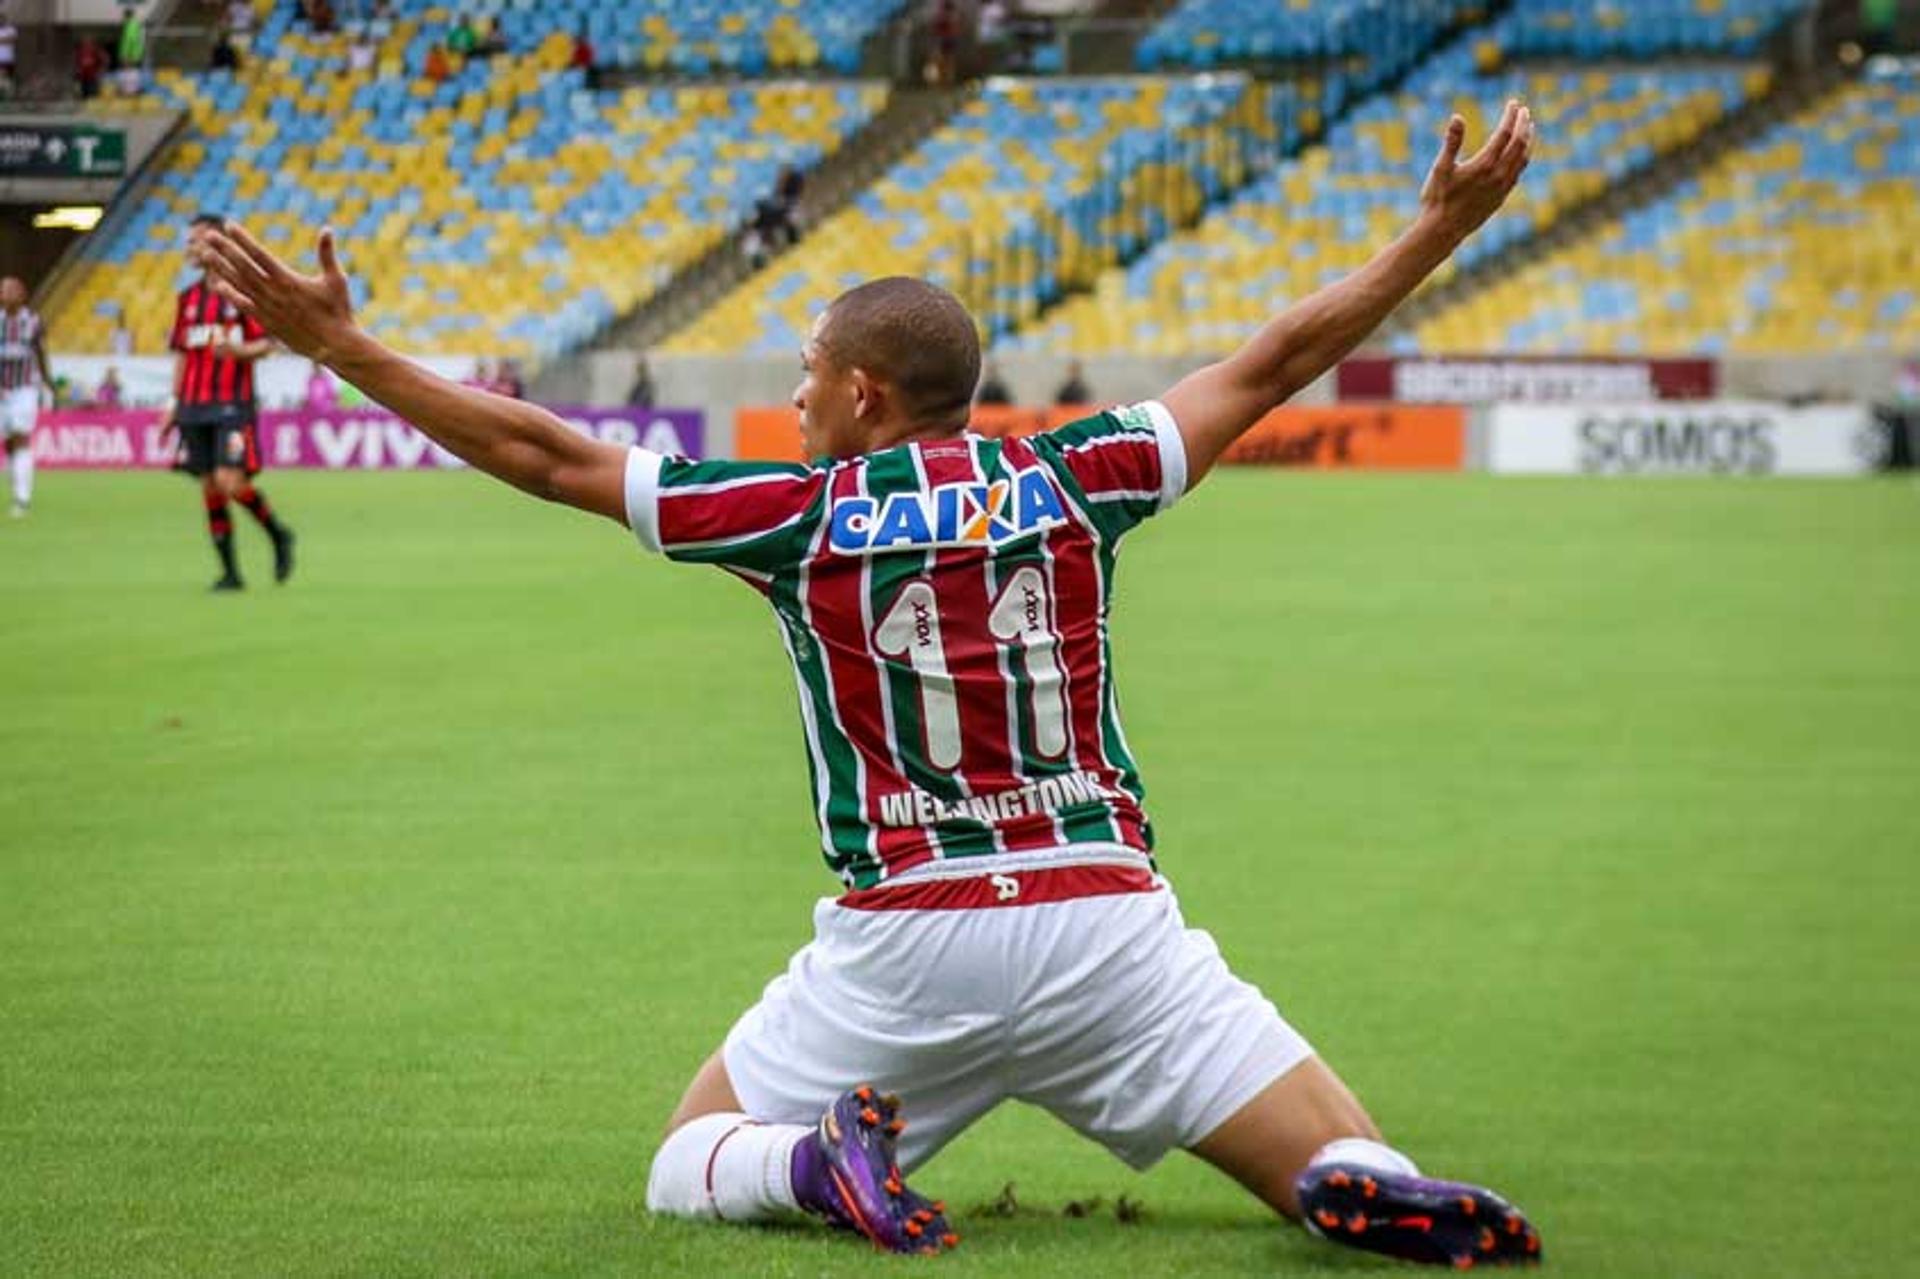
[(724, 1167), (228, 482)]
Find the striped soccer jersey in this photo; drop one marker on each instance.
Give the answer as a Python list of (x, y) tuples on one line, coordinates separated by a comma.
[(19, 335), (944, 605), (202, 320)]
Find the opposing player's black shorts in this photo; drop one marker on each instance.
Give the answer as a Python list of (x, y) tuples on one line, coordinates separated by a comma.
[(217, 435)]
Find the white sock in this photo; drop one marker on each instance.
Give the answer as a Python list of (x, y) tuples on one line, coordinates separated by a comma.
[(1367, 1154), (22, 461), (726, 1166)]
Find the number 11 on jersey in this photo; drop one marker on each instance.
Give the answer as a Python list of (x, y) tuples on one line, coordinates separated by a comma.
[(1021, 620)]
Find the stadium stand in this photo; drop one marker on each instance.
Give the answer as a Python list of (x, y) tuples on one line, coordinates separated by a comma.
[(1320, 216), (508, 207), (1806, 240), (693, 37), (1040, 185), (1644, 28), (1208, 33), (1017, 150)]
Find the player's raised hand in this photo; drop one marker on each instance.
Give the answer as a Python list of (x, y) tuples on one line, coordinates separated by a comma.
[(1462, 194), (311, 314)]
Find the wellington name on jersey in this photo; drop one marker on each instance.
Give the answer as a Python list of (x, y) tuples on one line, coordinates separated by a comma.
[(944, 605)]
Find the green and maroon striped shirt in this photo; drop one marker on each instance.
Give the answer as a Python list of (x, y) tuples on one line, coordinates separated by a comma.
[(945, 606)]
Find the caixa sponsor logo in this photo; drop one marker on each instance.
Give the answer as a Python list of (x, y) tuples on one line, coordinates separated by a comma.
[(950, 515)]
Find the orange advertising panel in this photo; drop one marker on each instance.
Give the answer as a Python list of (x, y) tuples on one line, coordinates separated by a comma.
[(769, 434), (1419, 437)]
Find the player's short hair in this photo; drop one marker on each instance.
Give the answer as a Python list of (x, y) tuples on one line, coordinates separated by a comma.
[(204, 218), (912, 335)]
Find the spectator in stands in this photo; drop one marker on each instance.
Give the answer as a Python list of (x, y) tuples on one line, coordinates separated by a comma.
[(482, 376), (322, 394), (9, 52), (89, 66), (995, 17), (492, 40), (944, 30), (993, 387), (320, 16), (509, 382), (381, 25), (109, 394), (225, 57), (439, 66), (463, 38), (1877, 21), (1906, 385), (132, 51), (642, 393), (775, 225), (583, 58), (1074, 390), (120, 340), (362, 52), (788, 188), (240, 18)]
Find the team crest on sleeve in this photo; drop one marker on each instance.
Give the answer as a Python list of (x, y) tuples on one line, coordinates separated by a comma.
[(951, 515)]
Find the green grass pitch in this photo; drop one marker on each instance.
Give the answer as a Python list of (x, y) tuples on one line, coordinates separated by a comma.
[(373, 925)]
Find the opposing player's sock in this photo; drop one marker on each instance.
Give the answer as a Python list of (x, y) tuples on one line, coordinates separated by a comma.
[(220, 528), (20, 463), (726, 1166), (257, 506), (1366, 1195)]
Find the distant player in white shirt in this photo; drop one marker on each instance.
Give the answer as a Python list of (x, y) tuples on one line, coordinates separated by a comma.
[(24, 378)]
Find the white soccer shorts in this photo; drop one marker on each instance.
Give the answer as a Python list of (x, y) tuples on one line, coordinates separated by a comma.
[(19, 410), (1107, 1011)]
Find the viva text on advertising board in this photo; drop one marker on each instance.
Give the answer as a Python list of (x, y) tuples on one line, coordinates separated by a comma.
[(1725, 437), (87, 439)]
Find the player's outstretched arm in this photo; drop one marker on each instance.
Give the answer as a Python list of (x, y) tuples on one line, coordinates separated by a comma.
[(1215, 405), (520, 443)]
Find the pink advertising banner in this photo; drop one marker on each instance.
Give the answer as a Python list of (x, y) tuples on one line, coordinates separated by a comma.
[(335, 440)]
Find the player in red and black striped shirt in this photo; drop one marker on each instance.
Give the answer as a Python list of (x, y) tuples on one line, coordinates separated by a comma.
[(214, 411)]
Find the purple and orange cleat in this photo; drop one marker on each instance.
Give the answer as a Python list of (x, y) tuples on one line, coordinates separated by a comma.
[(847, 1173), (1436, 1223)]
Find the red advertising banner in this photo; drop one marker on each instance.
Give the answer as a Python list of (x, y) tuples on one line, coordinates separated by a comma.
[(1497, 378)]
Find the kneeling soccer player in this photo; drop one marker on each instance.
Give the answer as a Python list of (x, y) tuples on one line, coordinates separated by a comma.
[(943, 598)]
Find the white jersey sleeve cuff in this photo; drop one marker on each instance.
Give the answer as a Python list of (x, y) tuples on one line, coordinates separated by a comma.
[(643, 496), (1173, 453)]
